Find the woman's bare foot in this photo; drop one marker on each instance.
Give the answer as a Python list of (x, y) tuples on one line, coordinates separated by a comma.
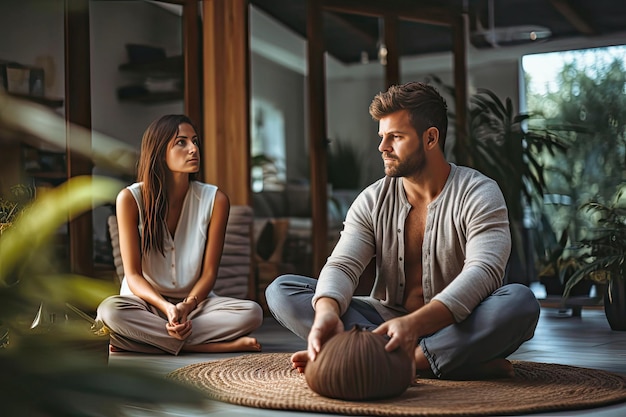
[(299, 360), (243, 344), (115, 349)]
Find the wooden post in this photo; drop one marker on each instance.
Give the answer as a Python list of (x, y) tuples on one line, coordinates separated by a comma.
[(461, 39), (392, 69), (226, 91), (318, 142), (78, 113), (193, 67)]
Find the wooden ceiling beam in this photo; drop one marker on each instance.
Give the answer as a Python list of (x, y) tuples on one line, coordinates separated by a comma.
[(354, 30), (574, 16), (403, 9)]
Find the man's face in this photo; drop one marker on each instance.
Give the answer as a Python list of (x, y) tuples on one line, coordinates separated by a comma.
[(400, 146)]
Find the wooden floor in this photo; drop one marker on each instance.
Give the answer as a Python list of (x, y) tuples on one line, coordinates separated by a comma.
[(585, 341)]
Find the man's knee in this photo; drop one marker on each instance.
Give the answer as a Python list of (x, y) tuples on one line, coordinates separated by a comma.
[(521, 301), (288, 290), (275, 291), (289, 286)]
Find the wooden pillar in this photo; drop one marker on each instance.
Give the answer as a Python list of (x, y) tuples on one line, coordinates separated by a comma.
[(226, 91), (461, 39), (193, 67), (318, 142), (392, 69), (78, 113)]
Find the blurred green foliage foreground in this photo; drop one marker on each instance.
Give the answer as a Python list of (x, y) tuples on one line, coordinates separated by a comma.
[(52, 362)]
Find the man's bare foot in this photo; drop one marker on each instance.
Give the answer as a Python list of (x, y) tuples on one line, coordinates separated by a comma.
[(498, 368), (299, 360), (243, 344), (494, 369)]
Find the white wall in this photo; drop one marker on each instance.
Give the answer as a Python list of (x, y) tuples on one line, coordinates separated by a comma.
[(284, 90), (113, 24), (349, 121)]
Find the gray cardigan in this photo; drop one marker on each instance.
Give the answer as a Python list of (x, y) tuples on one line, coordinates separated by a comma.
[(467, 243)]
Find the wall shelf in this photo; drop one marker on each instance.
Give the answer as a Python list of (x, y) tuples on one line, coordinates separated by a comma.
[(154, 97), (168, 67), (168, 71), (46, 101)]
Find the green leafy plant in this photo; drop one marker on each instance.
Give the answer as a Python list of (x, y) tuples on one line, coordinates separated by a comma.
[(344, 168), (54, 367), (603, 252), (58, 367), (506, 146), (11, 207)]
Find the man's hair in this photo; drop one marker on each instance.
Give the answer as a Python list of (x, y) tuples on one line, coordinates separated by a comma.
[(425, 105)]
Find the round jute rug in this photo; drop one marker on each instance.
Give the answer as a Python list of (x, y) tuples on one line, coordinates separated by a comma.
[(266, 380)]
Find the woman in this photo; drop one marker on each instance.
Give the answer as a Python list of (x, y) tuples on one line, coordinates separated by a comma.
[(171, 232)]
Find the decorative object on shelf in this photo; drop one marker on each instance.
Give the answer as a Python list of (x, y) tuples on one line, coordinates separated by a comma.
[(22, 79), (602, 255), (141, 54), (26, 82), (157, 78)]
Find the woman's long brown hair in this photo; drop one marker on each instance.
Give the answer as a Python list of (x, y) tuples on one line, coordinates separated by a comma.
[(151, 172)]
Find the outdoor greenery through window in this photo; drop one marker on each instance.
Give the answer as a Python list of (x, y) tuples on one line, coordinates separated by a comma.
[(582, 95)]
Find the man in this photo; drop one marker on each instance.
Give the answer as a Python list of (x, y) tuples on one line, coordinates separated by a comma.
[(440, 235)]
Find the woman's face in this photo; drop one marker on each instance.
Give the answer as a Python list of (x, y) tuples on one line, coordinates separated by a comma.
[(183, 154)]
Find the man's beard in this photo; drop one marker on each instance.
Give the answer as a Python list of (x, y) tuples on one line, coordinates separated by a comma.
[(407, 168)]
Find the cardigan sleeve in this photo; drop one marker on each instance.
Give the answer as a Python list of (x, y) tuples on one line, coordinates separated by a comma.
[(478, 219)]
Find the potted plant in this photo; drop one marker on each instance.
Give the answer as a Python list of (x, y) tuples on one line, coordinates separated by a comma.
[(555, 265), (11, 207), (46, 371), (602, 253), (344, 167)]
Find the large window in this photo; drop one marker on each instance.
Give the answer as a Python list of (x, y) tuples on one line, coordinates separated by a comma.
[(582, 94)]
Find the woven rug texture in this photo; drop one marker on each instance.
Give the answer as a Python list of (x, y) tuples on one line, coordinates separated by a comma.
[(266, 380)]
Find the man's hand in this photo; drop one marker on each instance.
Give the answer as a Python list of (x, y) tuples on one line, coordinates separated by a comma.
[(324, 327), (327, 323), (405, 331), (402, 333)]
